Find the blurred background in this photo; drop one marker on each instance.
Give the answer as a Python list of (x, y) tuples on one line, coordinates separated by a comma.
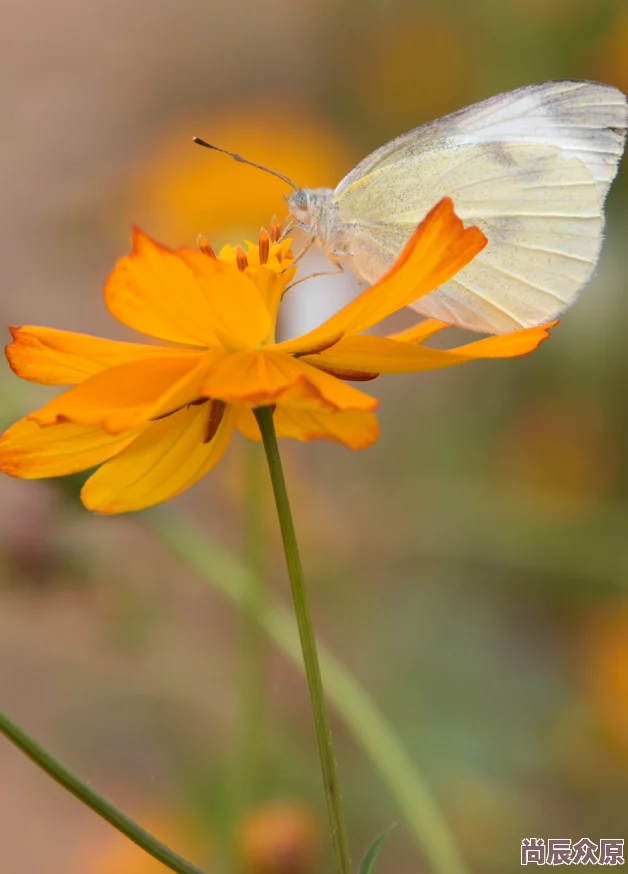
[(471, 568)]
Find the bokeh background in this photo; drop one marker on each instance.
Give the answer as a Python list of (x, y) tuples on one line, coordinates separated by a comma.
[(471, 568)]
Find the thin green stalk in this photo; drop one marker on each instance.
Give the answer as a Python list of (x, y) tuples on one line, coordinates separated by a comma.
[(105, 809), (338, 831), (253, 713), (360, 713)]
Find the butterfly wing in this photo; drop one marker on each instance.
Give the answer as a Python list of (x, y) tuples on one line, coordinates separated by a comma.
[(531, 168)]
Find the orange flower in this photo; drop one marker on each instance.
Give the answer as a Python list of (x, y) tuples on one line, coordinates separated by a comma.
[(281, 837), (180, 188), (610, 59), (158, 418), (113, 853), (605, 669)]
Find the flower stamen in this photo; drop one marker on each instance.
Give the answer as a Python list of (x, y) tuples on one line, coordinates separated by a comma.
[(205, 246), (216, 412), (349, 375), (241, 260), (275, 231), (264, 247)]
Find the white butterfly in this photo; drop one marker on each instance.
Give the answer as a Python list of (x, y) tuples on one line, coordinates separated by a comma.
[(531, 168)]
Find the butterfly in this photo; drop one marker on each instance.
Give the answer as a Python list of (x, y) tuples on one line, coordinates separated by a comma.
[(531, 168)]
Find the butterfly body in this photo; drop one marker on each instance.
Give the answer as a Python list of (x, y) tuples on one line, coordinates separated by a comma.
[(531, 168)]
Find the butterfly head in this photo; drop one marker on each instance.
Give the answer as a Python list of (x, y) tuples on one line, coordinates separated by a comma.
[(307, 206)]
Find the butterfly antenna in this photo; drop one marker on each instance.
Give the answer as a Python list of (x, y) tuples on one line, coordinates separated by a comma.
[(241, 160)]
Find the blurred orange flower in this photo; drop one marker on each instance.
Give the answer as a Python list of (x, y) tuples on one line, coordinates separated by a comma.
[(183, 188), (387, 70), (553, 13), (278, 838), (118, 855), (612, 56), (561, 451), (157, 419), (605, 665)]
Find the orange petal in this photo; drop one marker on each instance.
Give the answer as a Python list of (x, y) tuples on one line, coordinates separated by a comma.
[(271, 286), (439, 248), (124, 397), (507, 345), (53, 357), (420, 332), (166, 459), (30, 452), (246, 423), (238, 308), (185, 297), (384, 355), (263, 377), (356, 429)]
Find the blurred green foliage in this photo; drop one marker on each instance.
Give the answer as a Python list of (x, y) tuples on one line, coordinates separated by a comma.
[(472, 567)]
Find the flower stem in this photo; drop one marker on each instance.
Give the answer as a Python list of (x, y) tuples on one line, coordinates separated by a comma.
[(264, 416), (92, 799), (253, 715), (360, 713)]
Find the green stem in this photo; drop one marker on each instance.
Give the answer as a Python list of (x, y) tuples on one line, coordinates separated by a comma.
[(264, 416), (360, 713), (105, 809), (248, 761), (253, 648)]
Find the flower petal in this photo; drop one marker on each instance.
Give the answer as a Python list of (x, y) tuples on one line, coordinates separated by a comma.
[(30, 452), (53, 357), (271, 286), (507, 345), (185, 297), (262, 377), (439, 248), (385, 355), (238, 311), (122, 398), (420, 332), (356, 429), (246, 423), (166, 459)]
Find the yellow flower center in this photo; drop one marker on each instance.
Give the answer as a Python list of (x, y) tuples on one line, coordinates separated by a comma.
[(269, 263)]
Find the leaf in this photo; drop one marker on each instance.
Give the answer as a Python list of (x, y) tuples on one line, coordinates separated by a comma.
[(370, 857)]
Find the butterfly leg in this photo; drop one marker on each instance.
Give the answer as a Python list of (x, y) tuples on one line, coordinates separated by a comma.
[(305, 249), (290, 225), (335, 272), (336, 256)]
